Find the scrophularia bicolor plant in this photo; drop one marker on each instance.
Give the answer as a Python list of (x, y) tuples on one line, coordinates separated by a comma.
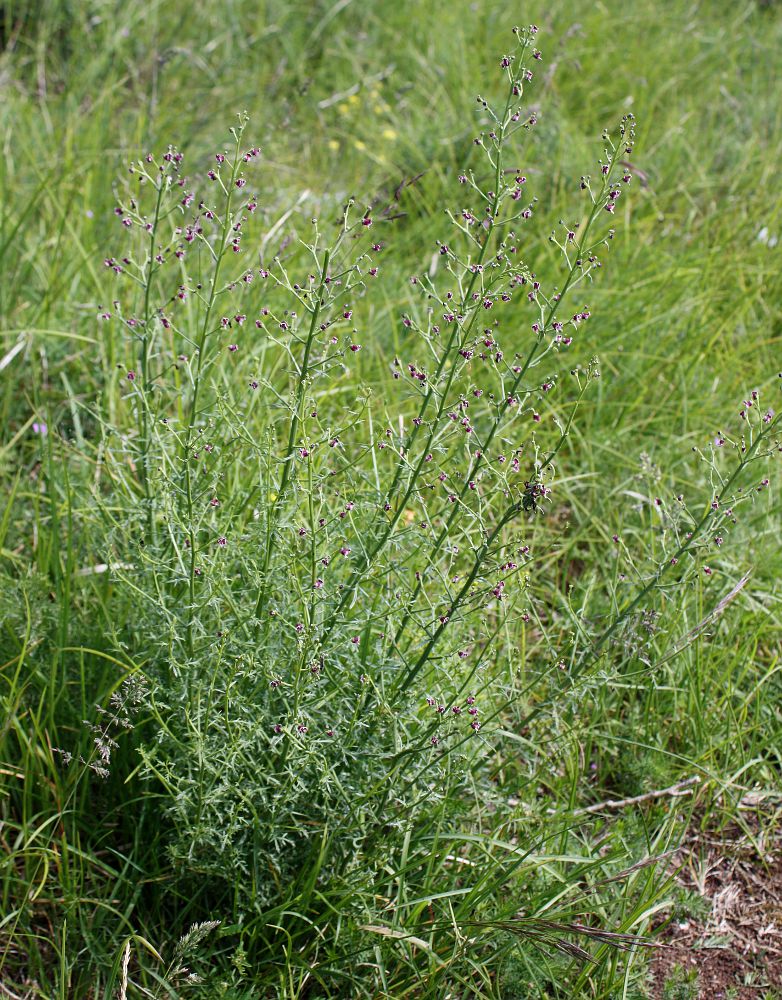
[(330, 567)]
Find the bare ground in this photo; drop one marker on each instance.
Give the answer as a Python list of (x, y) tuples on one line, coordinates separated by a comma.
[(736, 948)]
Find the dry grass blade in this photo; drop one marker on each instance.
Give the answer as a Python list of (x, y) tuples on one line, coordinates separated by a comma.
[(399, 935)]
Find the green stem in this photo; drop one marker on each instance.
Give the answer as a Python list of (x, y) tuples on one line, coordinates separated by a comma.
[(370, 556), (201, 348), (666, 566), (145, 346), (456, 603), (289, 460)]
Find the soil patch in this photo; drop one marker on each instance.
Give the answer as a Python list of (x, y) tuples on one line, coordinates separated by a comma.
[(737, 947)]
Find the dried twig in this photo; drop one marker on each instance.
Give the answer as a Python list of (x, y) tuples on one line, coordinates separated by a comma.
[(680, 788)]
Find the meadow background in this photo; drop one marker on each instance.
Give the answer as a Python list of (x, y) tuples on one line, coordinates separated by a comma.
[(356, 98)]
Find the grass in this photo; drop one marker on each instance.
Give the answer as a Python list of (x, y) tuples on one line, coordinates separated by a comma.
[(347, 99)]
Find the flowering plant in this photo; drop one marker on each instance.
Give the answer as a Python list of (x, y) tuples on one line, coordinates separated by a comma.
[(329, 574)]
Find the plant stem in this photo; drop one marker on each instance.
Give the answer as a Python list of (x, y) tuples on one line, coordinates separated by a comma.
[(202, 340), (290, 451)]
